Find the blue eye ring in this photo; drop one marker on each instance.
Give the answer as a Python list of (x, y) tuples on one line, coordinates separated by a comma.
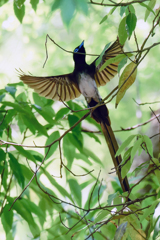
[(76, 50)]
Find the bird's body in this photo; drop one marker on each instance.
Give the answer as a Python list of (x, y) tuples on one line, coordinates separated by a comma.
[(85, 80), (88, 87)]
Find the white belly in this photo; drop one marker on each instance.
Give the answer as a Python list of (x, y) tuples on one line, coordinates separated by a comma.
[(88, 87)]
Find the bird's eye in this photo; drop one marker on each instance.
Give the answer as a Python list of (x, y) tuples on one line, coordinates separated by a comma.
[(76, 50)]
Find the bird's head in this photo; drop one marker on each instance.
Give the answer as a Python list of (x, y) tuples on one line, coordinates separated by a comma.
[(79, 58)]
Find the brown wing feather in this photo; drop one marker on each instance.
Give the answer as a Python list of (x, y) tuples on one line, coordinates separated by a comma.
[(111, 70), (60, 87)]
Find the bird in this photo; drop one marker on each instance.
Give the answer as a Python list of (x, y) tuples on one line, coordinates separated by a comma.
[(85, 79)]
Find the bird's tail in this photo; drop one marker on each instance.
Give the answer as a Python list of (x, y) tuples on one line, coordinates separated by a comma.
[(113, 147), (101, 115)]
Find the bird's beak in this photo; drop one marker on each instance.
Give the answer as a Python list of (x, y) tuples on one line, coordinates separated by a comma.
[(81, 44)]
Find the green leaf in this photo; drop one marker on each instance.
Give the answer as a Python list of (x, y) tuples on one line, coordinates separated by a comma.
[(75, 191), (127, 154), (143, 166), (111, 197), (122, 63), (94, 195), (122, 32), (26, 215), (130, 9), (92, 135), (8, 118), (86, 183), (42, 205), (146, 6), (149, 144), (135, 148), (122, 10), (42, 101), (59, 188), (157, 172), (150, 210), (131, 21), (61, 113), (2, 2), (108, 230), (34, 4), (1, 97), (2, 159), (38, 156), (118, 200), (19, 3), (120, 231), (102, 215), (17, 107), (32, 208), (151, 5), (25, 153), (76, 137), (21, 124), (126, 80), (116, 59), (2, 91), (125, 169), (22, 98), (41, 129), (11, 90), (16, 84), (82, 5), (98, 61), (91, 154), (7, 219), (54, 136), (25, 122), (56, 5), (82, 157), (67, 11), (47, 115), (31, 122), (16, 168), (106, 16), (19, 11), (124, 145), (72, 119), (76, 141), (5, 176), (68, 151), (74, 106)]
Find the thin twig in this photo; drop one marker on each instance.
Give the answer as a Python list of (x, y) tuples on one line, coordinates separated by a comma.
[(138, 125), (117, 4)]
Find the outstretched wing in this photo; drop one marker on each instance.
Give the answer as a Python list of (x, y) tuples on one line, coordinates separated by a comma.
[(110, 71), (61, 87)]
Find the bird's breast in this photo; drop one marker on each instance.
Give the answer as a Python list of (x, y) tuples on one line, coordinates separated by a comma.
[(88, 87)]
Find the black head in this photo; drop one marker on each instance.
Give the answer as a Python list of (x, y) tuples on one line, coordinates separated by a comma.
[(79, 58)]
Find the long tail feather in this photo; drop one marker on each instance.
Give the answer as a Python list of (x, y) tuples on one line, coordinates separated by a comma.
[(101, 115), (113, 147)]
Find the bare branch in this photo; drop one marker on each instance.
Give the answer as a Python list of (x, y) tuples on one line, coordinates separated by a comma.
[(138, 125), (114, 4)]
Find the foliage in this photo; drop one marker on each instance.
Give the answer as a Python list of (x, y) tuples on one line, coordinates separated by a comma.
[(46, 161)]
